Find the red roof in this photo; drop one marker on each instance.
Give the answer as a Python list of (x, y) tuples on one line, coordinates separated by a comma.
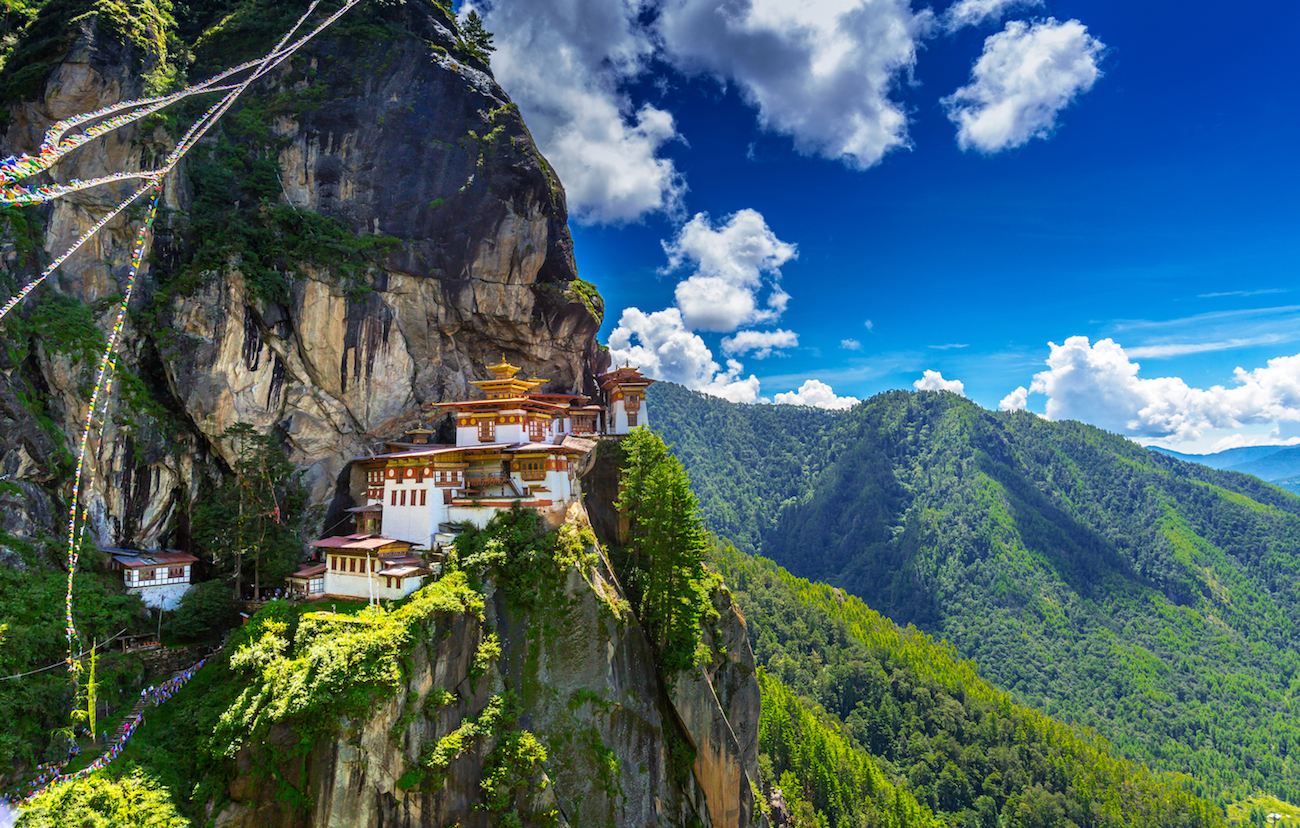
[(148, 560), (404, 571), (544, 447), (358, 543), (313, 571), (623, 376)]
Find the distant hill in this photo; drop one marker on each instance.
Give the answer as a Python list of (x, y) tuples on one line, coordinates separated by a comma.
[(1151, 599), (842, 682), (1271, 463)]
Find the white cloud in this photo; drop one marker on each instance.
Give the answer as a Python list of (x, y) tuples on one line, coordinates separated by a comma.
[(1099, 384), (871, 326), (1175, 349), (730, 263), (731, 386), (850, 345), (974, 12), (661, 346), (934, 381), (817, 394), (605, 149), (950, 346), (761, 343), (1017, 400), (1240, 440), (1241, 293), (820, 71), (1025, 77)]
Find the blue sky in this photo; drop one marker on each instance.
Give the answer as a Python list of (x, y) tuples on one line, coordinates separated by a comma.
[(755, 180)]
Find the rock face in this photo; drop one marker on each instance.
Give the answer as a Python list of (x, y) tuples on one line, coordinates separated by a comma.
[(583, 675), (400, 135)]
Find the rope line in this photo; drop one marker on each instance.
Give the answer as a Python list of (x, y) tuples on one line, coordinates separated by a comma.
[(57, 144), (77, 529)]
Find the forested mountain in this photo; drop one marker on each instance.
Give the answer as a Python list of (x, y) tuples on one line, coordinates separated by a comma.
[(841, 682), (1151, 599)]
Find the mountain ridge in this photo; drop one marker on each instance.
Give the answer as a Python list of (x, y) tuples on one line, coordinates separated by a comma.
[(1092, 578)]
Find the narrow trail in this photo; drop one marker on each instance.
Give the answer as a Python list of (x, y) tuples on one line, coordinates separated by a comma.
[(52, 774)]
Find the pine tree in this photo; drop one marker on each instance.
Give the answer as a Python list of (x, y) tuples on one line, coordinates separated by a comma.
[(476, 39), (667, 546)]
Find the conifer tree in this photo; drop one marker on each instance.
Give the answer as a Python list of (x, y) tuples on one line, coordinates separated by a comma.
[(667, 545)]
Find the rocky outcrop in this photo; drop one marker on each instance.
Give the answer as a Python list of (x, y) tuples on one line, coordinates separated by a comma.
[(582, 674), (401, 136)]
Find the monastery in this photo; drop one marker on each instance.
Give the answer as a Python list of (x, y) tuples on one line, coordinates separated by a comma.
[(514, 445)]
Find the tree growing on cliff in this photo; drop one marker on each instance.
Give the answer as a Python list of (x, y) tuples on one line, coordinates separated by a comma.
[(475, 38), (666, 548), (250, 521)]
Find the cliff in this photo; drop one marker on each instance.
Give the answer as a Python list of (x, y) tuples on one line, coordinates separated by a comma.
[(539, 711), (363, 232)]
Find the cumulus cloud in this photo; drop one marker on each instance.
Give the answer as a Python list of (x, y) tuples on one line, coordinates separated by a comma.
[(1017, 400), (733, 261), (760, 343), (820, 71), (1099, 384), (1025, 77), (975, 12), (850, 344), (934, 381), (605, 149), (660, 344), (817, 394)]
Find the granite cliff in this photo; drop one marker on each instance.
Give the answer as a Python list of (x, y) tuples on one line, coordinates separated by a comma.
[(363, 232), (546, 710)]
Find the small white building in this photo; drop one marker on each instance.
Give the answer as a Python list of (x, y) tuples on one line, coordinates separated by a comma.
[(368, 566), (159, 578), (625, 395), (308, 582)]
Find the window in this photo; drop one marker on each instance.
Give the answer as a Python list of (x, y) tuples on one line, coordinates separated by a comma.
[(424, 495), (632, 402), (352, 565), (532, 469), (487, 430), (536, 430), (631, 419), (446, 497), (148, 574), (403, 497), (334, 564), (394, 497), (176, 572)]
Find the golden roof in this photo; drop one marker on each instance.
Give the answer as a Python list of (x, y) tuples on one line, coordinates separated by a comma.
[(503, 370)]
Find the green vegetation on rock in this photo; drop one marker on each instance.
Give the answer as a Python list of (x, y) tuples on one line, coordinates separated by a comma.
[(309, 670), (134, 801)]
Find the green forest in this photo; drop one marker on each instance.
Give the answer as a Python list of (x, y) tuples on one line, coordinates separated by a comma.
[(1146, 598), (965, 750)]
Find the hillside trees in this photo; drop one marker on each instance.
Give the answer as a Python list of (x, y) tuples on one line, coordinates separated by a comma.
[(1109, 585), (250, 521), (840, 681), (666, 549)]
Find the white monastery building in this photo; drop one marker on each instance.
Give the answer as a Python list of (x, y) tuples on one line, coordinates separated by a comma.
[(514, 446), (159, 578)]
